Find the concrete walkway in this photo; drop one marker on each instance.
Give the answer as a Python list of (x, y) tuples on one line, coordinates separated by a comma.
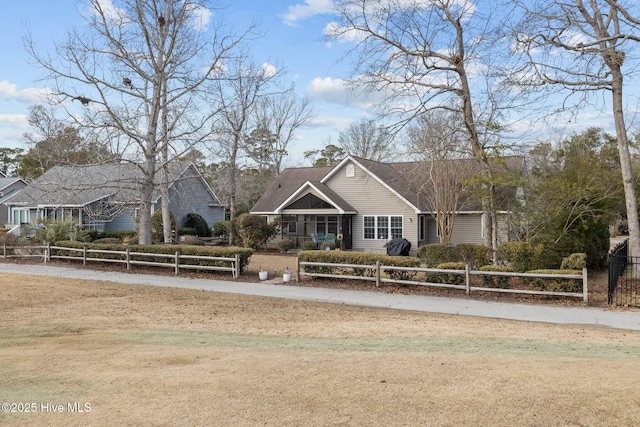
[(622, 319)]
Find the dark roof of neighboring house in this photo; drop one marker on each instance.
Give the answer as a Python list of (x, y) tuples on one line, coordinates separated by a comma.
[(82, 185), (400, 177)]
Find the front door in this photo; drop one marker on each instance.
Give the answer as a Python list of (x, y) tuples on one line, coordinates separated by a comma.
[(345, 229)]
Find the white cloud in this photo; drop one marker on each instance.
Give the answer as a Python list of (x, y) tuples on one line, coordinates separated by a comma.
[(310, 8), (269, 70), (9, 91), (200, 18)]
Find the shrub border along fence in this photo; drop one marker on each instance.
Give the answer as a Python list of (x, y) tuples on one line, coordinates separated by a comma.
[(378, 267), (128, 256)]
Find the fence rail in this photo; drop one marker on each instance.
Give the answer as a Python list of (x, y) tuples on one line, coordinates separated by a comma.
[(126, 257), (376, 270)]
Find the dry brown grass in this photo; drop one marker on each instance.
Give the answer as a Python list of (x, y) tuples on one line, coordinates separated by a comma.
[(141, 355)]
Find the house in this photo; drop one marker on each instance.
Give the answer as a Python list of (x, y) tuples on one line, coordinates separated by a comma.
[(105, 197), (368, 203), (8, 187)]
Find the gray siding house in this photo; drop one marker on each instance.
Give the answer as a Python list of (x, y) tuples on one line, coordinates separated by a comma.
[(368, 203), (105, 197), (8, 188)]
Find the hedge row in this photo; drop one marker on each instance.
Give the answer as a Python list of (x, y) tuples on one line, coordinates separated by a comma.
[(440, 253), (210, 251), (357, 258)]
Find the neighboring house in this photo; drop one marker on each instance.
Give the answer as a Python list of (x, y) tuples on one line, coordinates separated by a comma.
[(368, 203), (8, 187), (105, 197)]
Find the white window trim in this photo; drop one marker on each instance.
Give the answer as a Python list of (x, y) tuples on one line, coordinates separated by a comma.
[(375, 226)]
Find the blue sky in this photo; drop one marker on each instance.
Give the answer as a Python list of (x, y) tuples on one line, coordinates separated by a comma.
[(293, 37)]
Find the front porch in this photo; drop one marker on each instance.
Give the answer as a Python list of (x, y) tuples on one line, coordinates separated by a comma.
[(317, 229)]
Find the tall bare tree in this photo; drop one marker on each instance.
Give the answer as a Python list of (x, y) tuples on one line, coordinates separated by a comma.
[(581, 46), (436, 141), (368, 140), (139, 64), (238, 94), (426, 55), (283, 114)]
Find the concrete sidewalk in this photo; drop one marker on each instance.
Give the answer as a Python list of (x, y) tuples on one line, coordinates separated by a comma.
[(627, 319)]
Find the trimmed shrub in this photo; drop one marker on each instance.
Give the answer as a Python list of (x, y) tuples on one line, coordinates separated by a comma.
[(198, 223), (432, 255), (499, 282), (523, 256), (123, 236), (220, 229), (553, 284), (309, 246), (448, 278), (108, 241), (357, 258), (212, 251), (576, 261), (475, 255), (188, 231), (286, 245), (191, 240)]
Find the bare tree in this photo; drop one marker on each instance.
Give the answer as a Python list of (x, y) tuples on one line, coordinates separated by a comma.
[(437, 142), (140, 72), (238, 94), (426, 55), (368, 140), (581, 46), (282, 114)]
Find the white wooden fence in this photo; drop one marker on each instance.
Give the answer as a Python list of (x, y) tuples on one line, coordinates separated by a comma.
[(467, 273), (127, 257)]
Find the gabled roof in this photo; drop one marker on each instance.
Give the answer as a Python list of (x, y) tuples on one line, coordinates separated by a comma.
[(76, 186), (401, 178)]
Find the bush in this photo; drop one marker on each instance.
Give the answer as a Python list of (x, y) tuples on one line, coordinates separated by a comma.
[(211, 251), (108, 241), (157, 233), (253, 231), (357, 258), (432, 255), (308, 245), (123, 236), (523, 256), (491, 281), (188, 231), (191, 240), (286, 245), (197, 222), (475, 255), (576, 261), (553, 284), (220, 229), (448, 278), (47, 231)]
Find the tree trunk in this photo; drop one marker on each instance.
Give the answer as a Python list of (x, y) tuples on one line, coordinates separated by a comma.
[(625, 160)]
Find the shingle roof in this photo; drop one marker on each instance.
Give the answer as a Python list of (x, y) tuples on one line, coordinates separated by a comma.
[(81, 185), (401, 177)]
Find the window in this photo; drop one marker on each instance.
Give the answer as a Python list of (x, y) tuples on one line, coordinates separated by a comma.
[(350, 170), (383, 227), (289, 224), (327, 224)]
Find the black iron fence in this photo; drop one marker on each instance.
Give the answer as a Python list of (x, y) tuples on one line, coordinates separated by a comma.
[(624, 277)]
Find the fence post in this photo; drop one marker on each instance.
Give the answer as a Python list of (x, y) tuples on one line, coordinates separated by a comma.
[(48, 252), (297, 269), (467, 279), (128, 259), (84, 255), (377, 273), (236, 272), (177, 262), (4, 250), (585, 289)]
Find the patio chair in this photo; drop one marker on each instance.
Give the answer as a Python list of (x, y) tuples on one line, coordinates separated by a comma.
[(330, 238), (317, 238)]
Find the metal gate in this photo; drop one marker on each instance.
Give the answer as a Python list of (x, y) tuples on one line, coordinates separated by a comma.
[(624, 277)]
